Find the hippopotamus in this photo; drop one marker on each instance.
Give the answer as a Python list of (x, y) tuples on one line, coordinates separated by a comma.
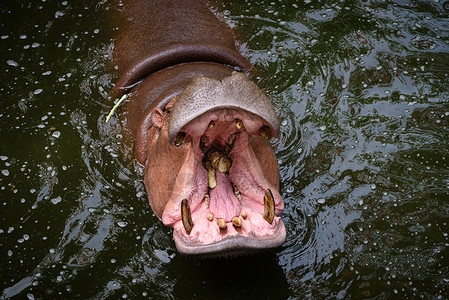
[(201, 128)]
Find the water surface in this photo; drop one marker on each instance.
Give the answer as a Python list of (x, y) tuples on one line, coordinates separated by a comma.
[(362, 91)]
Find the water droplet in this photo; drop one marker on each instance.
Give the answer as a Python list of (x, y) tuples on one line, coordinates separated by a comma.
[(12, 63), (122, 224)]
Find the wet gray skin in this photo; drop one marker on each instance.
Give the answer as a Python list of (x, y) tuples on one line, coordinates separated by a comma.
[(206, 94)]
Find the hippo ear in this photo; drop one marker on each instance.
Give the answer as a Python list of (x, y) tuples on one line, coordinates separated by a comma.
[(157, 117)]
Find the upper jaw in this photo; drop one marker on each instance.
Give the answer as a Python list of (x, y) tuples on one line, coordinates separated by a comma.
[(197, 231)]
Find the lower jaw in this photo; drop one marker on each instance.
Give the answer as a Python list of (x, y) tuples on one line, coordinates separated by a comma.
[(232, 244)]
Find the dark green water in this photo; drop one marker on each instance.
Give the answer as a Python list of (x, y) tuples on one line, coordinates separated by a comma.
[(362, 89)]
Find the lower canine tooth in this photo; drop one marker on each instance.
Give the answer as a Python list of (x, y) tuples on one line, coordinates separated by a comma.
[(237, 222), (268, 205), (244, 215), (211, 178), (210, 217), (221, 223), (186, 216), (265, 131)]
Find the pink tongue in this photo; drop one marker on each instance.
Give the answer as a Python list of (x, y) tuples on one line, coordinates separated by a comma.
[(223, 203)]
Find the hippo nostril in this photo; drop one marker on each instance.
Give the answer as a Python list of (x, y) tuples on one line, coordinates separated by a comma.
[(180, 138), (265, 131)]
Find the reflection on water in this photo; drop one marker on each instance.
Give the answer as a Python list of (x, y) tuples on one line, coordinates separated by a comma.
[(362, 92)]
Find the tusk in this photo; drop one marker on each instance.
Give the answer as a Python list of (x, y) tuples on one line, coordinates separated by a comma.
[(211, 178), (186, 216), (268, 206)]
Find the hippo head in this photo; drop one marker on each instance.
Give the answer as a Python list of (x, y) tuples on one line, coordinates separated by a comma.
[(211, 173)]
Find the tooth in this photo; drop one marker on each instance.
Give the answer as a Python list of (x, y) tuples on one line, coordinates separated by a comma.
[(229, 144), (207, 199), (236, 192), (244, 215), (268, 205), (221, 223), (180, 139), (186, 216), (204, 142), (238, 124), (211, 124), (214, 158), (210, 217), (224, 164), (265, 131), (211, 178), (236, 221)]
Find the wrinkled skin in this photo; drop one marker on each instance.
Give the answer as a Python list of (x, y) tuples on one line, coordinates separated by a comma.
[(192, 116)]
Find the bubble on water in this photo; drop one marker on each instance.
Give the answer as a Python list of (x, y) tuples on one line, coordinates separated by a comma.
[(56, 200), (26, 237), (38, 91), (9, 253), (5, 172), (139, 194), (56, 134), (32, 191), (323, 127), (122, 224), (373, 186), (22, 37), (4, 37), (321, 200), (284, 122), (35, 45), (12, 63), (3, 157), (10, 229), (46, 73), (113, 260)]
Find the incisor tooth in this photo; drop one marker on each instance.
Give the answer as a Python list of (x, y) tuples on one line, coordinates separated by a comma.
[(265, 131), (224, 164), (186, 216), (268, 206), (221, 223), (210, 217), (237, 222), (180, 138), (211, 178)]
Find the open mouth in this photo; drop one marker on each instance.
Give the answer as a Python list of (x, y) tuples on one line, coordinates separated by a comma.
[(226, 201)]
